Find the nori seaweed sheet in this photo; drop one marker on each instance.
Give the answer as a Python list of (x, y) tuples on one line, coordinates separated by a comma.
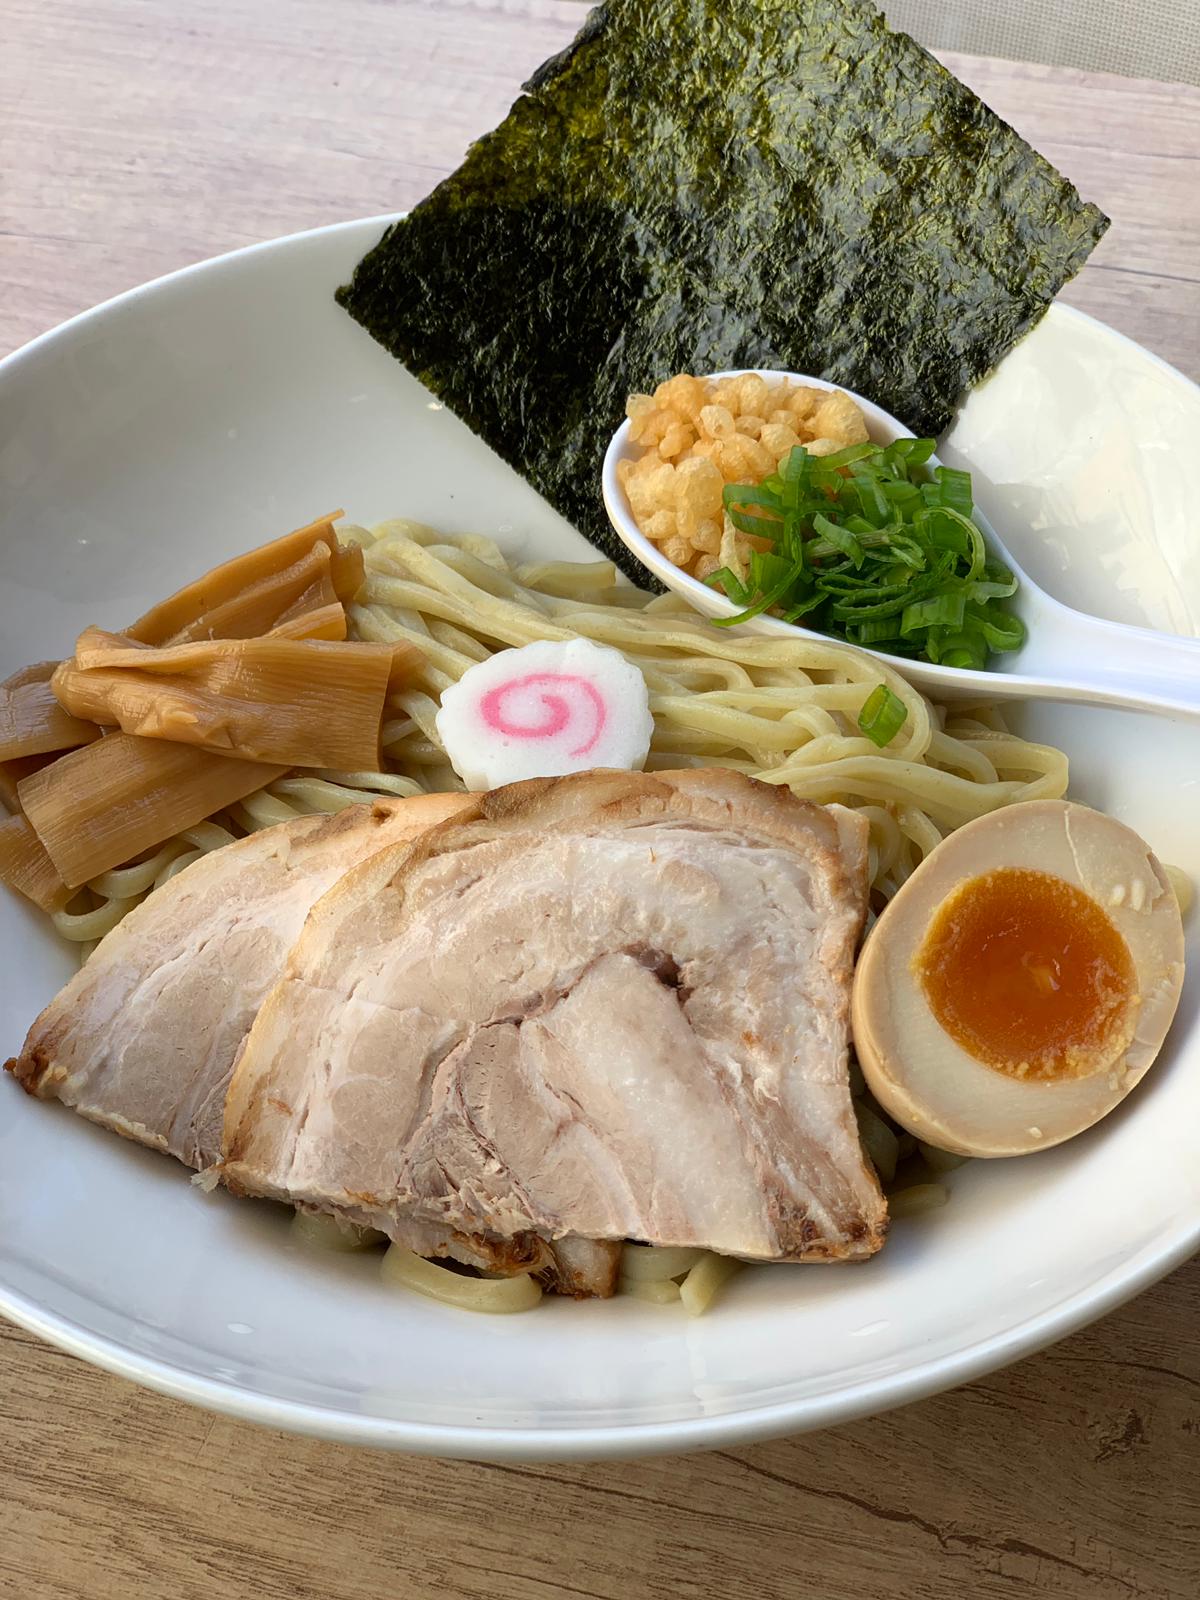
[(701, 184)]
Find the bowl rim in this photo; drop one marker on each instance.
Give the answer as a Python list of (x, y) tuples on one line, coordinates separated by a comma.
[(592, 1441), (595, 1442)]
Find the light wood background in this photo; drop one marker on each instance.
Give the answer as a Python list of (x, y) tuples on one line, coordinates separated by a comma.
[(139, 135)]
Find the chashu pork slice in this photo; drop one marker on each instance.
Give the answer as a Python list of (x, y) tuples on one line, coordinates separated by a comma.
[(602, 1007), (143, 1038)]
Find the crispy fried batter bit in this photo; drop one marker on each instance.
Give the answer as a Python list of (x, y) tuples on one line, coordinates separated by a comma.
[(698, 434)]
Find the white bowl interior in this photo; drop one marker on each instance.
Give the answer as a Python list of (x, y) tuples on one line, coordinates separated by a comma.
[(176, 427)]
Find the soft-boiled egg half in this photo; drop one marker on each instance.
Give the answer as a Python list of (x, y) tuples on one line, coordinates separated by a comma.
[(1021, 982)]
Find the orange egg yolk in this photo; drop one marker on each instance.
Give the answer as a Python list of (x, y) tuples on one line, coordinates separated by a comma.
[(1029, 975)]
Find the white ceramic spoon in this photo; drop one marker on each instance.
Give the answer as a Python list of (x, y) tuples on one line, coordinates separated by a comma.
[(1067, 654)]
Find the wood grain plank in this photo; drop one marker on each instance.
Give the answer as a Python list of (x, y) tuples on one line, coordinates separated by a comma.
[(177, 141), (1133, 147), (177, 135), (1064, 1476), (137, 136)]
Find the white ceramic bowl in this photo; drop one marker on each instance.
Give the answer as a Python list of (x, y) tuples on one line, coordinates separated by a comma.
[(182, 423)]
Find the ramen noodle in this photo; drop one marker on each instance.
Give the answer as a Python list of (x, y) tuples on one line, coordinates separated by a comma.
[(783, 710)]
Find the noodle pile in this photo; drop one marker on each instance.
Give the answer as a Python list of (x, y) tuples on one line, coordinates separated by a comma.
[(782, 710)]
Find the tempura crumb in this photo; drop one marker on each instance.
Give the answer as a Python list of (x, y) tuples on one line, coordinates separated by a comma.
[(698, 434)]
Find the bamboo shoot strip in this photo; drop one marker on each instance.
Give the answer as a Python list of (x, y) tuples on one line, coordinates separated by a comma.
[(101, 806), (32, 723), (295, 702), (170, 620)]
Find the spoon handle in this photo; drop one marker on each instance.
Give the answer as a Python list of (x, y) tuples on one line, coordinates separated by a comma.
[(1117, 665)]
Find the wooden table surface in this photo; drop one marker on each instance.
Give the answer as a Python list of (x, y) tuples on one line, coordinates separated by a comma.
[(139, 135)]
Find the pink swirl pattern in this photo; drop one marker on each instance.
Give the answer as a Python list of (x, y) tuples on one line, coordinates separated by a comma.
[(557, 690)]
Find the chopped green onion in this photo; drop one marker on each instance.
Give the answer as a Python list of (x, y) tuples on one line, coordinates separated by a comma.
[(956, 490), (944, 610), (913, 451), (757, 527), (1000, 629), (840, 539), (875, 630), (792, 469), (803, 607), (840, 458), (882, 716), (866, 546), (763, 603), (749, 494), (725, 578)]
